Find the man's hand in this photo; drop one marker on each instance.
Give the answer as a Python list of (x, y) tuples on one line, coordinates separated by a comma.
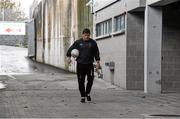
[(98, 65), (69, 60)]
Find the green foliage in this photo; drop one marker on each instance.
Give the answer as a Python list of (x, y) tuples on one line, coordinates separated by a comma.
[(12, 11), (7, 4)]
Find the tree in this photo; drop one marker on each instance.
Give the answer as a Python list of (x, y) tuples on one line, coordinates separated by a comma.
[(11, 11), (7, 4)]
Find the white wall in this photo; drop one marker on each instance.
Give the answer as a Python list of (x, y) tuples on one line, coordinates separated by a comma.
[(98, 4), (114, 48)]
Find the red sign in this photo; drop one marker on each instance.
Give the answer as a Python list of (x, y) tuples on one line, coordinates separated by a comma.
[(12, 28)]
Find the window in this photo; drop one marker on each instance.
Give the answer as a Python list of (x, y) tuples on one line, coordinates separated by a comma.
[(119, 23), (104, 28)]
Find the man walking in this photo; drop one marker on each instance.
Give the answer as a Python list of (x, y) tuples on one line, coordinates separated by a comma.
[(88, 51)]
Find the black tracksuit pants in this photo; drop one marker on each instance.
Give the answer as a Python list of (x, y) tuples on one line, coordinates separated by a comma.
[(84, 70)]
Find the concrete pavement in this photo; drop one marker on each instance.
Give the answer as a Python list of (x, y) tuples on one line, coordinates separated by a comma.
[(55, 95), (43, 91)]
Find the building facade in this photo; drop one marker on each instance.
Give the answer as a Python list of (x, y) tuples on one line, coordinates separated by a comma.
[(139, 41), (121, 44)]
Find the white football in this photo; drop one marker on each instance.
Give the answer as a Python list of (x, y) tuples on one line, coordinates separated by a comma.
[(75, 53)]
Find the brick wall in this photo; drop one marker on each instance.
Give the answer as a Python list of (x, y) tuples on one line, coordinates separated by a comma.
[(135, 51), (171, 49)]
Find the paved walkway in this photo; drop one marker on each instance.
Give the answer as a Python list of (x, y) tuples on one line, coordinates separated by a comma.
[(34, 90), (55, 95)]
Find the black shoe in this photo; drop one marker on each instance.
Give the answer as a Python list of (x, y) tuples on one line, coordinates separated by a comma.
[(83, 100), (88, 98)]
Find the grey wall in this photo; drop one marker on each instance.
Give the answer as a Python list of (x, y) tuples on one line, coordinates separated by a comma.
[(134, 4), (171, 49), (126, 50), (99, 4), (114, 47), (11, 40), (152, 50), (160, 2), (135, 51), (31, 39)]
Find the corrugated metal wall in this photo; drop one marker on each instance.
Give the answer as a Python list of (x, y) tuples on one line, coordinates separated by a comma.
[(58, 23)]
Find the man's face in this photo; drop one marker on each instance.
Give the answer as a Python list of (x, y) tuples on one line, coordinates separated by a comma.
[(86, 36)]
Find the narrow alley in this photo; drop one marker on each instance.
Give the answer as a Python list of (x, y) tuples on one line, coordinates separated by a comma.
[(42, 91)]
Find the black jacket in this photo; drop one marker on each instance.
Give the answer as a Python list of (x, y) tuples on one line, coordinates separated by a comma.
[(88, 51)]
